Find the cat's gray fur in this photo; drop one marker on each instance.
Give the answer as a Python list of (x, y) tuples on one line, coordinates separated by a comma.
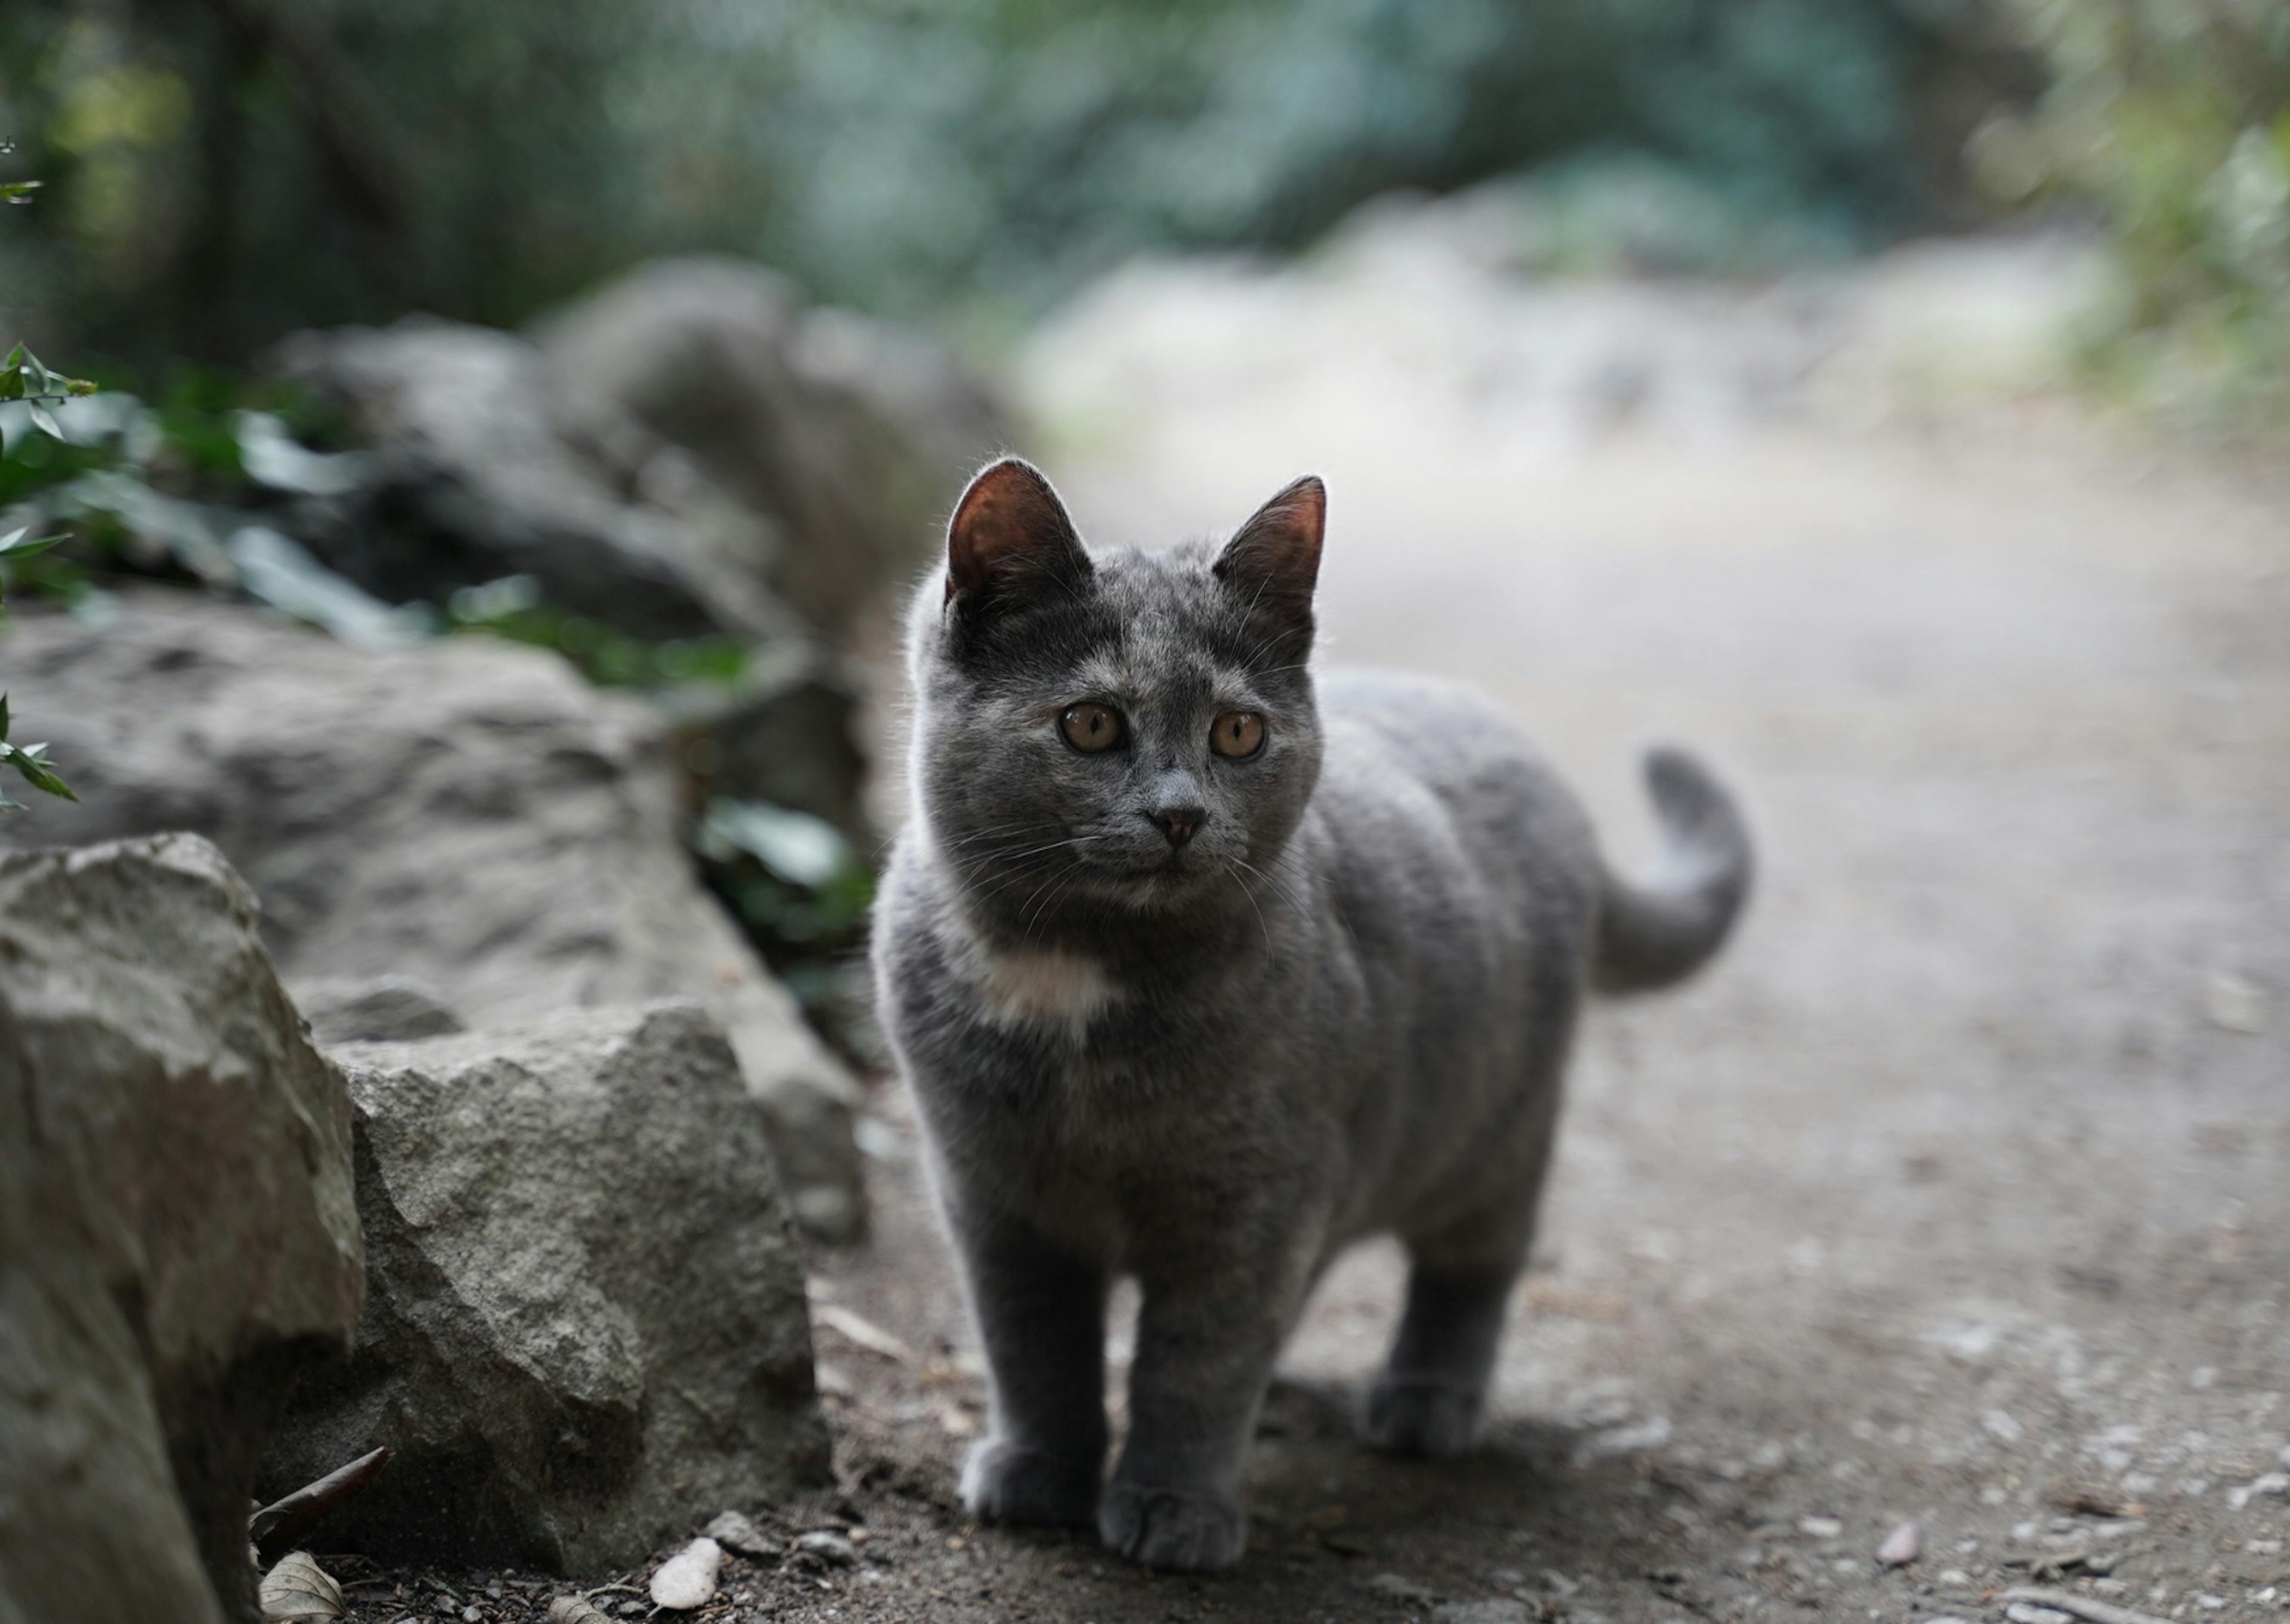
[(1341, 1009)]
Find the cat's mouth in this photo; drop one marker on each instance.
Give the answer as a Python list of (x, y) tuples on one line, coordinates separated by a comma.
[(1145, 877)]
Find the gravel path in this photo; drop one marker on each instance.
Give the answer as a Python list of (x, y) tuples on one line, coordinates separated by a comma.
[(1959, 1194)]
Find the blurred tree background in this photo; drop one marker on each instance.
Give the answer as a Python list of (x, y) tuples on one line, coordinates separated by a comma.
[(2169, 121), (220, 171)]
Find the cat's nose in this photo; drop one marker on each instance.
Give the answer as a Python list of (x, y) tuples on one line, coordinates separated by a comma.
[(1179, 823)]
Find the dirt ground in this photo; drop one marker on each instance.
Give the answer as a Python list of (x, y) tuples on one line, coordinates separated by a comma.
[(1957, 1194)]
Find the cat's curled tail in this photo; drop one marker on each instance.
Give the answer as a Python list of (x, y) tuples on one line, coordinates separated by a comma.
[(1652, 935)]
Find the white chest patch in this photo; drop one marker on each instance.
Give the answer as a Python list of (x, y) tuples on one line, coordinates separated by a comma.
[(1029, 989)]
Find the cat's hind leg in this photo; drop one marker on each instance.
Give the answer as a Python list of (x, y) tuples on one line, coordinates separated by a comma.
[(1428, 1398), (1042, 1316)]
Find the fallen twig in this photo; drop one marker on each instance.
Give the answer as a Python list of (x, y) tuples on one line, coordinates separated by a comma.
[(2081, 1606), (865, 1332), (279, 1524)]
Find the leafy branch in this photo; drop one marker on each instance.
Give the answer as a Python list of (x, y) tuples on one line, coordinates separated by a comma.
[(30, 760), (24, 377)]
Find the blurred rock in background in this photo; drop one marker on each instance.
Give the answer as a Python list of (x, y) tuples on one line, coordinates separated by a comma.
[(841, 430), (465, 812)]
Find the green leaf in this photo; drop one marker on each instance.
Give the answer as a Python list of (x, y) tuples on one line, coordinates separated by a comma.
[(40, 776), (14, 546), (8, 804), (20, 191), (3, 718), (44, 421), (799, 848)]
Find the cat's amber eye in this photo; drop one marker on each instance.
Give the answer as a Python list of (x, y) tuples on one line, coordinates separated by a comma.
[(1238, 733), (1091, 728)]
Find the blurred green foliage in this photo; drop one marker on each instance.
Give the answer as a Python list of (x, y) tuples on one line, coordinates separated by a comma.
[(801, 892), (220, 171), (2170, 120), (511, 608)]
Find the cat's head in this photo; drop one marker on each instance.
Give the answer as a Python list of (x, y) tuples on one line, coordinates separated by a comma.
[(1113, 735)]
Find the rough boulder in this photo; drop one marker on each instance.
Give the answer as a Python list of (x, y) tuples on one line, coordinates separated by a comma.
[(585, 1324), (177, 1235), (467, 813)]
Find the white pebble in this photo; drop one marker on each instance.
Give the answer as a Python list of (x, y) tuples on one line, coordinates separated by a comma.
[(1901, 1547), (1820, 1527), (829, 1546), (2027, 1613), (687, 1579)]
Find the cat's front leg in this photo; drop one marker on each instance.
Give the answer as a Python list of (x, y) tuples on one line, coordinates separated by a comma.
[(1206, 1340), (1041, 1313)]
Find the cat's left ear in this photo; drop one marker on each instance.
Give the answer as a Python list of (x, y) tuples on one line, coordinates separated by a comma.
[(1008, 529), (1276, 556)]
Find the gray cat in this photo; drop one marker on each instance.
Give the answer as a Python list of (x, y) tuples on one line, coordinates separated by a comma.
[(1200, 970)]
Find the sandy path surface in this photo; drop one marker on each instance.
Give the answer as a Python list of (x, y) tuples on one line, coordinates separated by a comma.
[(1959, 1193)]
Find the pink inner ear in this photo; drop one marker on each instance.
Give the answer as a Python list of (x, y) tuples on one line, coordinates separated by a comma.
[(1009, 512), (1280, 544)]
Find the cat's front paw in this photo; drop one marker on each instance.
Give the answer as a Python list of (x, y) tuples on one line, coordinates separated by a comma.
[(1421, 1416), (1181, 1531), (1004, 1484)]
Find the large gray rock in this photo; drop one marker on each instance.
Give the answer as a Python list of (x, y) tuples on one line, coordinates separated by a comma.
[(467, 813), (852, 434), (481, 464), (585, 1328), (177, 1235)]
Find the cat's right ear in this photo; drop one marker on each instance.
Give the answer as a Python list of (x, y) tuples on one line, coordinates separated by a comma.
[(1010, 529), (1275, 557)]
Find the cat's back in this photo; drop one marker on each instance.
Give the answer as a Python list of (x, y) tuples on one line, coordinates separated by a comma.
[(1435, 803), (1390, 732)]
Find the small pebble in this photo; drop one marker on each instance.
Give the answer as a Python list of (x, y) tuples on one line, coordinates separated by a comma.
[(1820, 1527), (1400, 1588), (687, 1579), (2027, 1613), (1955, 1578), (829, 1546), (1901, 1547), (1497, 1612), (736, 1532)]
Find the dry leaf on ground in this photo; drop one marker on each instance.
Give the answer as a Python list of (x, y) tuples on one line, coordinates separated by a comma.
[(298, 1588)]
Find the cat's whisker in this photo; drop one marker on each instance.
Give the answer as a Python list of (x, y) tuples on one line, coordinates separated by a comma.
[(1233, 867), (1295, 902)]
